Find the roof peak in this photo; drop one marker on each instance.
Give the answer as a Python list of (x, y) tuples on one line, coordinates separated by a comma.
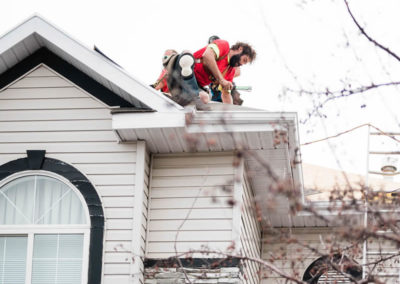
[(37, 32)]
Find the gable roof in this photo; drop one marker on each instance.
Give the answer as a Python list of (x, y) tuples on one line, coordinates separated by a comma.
[(229, 127), (36, 33)]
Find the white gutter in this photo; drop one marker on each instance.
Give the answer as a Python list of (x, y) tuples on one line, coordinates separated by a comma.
[(204, 122), (297, 156)]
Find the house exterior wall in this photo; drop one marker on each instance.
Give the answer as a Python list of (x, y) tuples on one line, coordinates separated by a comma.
[(387, 271), (140, 212), (250, 235), (43, 111), (297, 258), (179, 275), (190, 202), (293, 254)]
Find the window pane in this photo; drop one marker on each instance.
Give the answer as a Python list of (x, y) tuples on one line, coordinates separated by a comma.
[(39, 200), (71, 246), (12, 260), (57, 259), (45, 246), (16, 201), (58, 204)]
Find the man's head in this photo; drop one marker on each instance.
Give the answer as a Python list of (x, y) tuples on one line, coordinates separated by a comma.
[(241, 53), (212, 38), (167, 55)]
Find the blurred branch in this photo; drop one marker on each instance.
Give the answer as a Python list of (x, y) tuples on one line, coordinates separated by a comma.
[(262, 262)]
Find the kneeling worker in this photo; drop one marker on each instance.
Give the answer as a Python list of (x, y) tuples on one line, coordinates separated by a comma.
[(214, 63)]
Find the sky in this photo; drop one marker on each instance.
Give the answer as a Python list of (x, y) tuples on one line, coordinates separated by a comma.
[(300, 44)]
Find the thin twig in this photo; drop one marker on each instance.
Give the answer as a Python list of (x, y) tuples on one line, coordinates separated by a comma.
[(363, 32), (350, 130), (345, 92)]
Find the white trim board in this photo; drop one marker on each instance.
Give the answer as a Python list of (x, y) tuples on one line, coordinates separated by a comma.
[(137, 257), (204, 121)]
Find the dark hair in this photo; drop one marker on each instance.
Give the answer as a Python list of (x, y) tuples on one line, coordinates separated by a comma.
[(247, 50), (212, 38)]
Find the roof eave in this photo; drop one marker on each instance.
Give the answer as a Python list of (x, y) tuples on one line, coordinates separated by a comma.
[(218, 122), (203, 121)]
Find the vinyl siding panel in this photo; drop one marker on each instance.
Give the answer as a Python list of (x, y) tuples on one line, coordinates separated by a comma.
[(388, 271), (296, 257), (250, 235), (303, 257), (144, 211), (188, 203), (60, 114), (45, 111)]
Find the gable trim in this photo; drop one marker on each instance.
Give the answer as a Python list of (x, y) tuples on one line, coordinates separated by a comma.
[(86, 83), (37, 32)]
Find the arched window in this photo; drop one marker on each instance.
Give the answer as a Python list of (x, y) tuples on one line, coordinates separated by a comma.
[(51, 223), (322, 270), (44, 230)]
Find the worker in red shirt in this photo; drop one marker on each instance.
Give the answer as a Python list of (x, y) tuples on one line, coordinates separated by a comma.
[(216, 90), (215, 63)]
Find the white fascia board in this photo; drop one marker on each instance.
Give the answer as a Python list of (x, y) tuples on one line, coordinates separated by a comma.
[(248, 121), (90, 58), (148, 120), (206, 122), (294, 140), (246, 117), (17, 34), (230, 127)]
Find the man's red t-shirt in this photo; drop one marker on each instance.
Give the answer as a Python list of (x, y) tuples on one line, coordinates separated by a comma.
[(202, 76)]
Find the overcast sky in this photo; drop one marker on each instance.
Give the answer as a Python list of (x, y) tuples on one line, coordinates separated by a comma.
[(300, 44)]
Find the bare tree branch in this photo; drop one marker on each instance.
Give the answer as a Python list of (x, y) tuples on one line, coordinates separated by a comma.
[(345, 92), (350, 130), (362, 30)]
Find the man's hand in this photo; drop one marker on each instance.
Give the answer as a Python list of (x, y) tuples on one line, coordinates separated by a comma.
[(226, 97), (226, 85)]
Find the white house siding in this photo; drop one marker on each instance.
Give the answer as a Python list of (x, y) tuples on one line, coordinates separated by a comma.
[(140, 211), (145, 203), (250, 235), (296, 257), (44, 111), (187, 203), (387, 271)]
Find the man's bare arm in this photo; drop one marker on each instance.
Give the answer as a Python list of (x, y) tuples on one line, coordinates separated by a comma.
[(226, 97), (209, 61)]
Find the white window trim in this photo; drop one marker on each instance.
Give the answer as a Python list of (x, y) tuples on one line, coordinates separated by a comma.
[(30, 230)]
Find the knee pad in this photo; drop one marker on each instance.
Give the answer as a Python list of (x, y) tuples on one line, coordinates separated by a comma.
[(186, 63)]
